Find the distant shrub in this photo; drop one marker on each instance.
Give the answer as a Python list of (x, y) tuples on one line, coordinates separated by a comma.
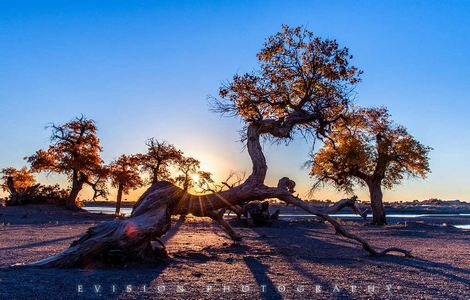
[(42, 194)]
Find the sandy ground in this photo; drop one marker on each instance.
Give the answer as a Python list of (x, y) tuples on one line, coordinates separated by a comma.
[(291, 260)]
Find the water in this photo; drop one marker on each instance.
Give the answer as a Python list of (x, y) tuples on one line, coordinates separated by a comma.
[(388, 215), (126, 211), (108, 210)]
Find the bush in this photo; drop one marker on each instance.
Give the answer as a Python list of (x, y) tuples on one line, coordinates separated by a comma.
[(42, 194)]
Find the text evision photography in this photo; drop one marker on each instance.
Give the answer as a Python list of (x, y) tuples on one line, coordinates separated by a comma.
[(227, 289), (304, 149)]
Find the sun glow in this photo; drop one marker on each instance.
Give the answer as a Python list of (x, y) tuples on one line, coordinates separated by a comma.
[(195, 178)]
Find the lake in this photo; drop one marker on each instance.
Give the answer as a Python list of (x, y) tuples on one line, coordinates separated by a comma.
[(127, 211)]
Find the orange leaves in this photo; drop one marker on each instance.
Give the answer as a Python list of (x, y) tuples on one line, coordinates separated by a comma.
[(303, 83), (367, 144), (124, 172), (75, 148), (22, 178), (74, 151), (44, 160)]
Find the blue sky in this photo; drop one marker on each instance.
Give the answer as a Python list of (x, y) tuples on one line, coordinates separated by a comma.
[(145, 68)]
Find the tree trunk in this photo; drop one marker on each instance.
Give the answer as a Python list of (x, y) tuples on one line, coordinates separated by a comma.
[(77, 185), (131, 239), (11, 186), (119, 200), (378, 212), (155, 174)]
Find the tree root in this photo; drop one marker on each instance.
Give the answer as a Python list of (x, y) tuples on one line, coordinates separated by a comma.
[(350, 203), (226, 226), (340, 230)]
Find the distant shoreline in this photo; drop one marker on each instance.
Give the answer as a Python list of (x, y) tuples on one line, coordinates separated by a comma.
[(421, 207)]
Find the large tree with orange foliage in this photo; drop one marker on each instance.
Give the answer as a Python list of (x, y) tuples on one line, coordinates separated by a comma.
[(74, 151), (125, 176), (366, 148)]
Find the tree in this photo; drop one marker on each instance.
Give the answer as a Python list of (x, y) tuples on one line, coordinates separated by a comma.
[(202, 182), (187, 166), (125, 176), (190, 175), (302, 86), (368, 149), (160, 155), (74, 151), (16, 180), (99, 182)]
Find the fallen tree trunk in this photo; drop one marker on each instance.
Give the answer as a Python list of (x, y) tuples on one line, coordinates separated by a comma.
[(131, 239), (120, 240)]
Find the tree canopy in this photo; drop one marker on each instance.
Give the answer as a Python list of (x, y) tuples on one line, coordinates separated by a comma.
[(75, 148), (365, 145), (303, 84), (74, 151), (191, 175), (22, 179), (124, 173), (159, 157)]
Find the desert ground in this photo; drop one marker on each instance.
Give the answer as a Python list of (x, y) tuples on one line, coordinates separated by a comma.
[(290, 260)]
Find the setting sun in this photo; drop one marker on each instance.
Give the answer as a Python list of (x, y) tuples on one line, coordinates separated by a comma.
[(195, 177)]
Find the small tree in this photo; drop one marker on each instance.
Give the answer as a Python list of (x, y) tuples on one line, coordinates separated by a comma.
[(159, 157), (189, 168), (16, 180), (202, 182), (367, 148), (75, 152), (99, 182), (125, 176)]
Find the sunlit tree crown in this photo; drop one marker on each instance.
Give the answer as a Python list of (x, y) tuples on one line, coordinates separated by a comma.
[(303, 82), (22, 178), (367, 145), (75, 148)]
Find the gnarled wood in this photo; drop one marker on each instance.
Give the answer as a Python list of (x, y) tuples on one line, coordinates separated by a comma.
[(131, 237), (350, 203), (257, 214)]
